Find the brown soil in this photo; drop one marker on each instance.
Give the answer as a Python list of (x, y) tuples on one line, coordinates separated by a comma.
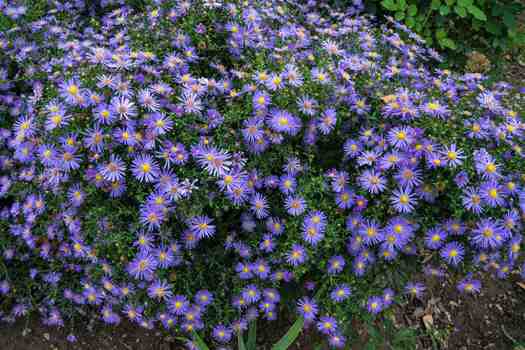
[(30, 334), (446, 319), (443, 319)]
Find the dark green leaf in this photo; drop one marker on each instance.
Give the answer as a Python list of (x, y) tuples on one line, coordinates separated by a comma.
[(412, 10), (448, 43), (461, 11), (477, 13), (252, 335), (435, 4), (199, 342), (399, 16), (444, 10), (464, 3), (440, 33), (240, 341), (290, 336), (510, 20), (389, 5)]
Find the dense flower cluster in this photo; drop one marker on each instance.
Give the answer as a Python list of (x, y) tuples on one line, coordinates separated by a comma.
[(181, 168)]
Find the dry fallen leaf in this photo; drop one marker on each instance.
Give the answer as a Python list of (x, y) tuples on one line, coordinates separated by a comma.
[(428, 321), (522, 285)]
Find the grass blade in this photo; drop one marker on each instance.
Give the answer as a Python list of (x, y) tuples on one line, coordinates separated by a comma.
[(240, 340), (290, 336), (199, 342), (252, 336)]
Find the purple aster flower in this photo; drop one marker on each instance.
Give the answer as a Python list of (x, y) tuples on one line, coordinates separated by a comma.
[(415, 290), (261, 100), (374, 305), (469, 286), (261, 269), (295, 205), (203, 298), (370, 232), (435, 238), (408, 176), (222, 334), (145, 168), (68, 159), (388, 297), (492, 193), (327, 325), (320, 76), (104, 114), (202, 226), (297, 255), (471, 199), (123, 107), (403, 200), (307, 308), (461, 179), (178, 305), (244, 270), (287, 184), (267, 243), (160, 290), (108, 316), (159, 123), (340, 293), (453, 253), (142, 266), (485, 165), (311, 233), (486, 234), (336, 264), (307, 105), (326, 122), (453, 155), (372, 181), (251, 294), (337, 341), (76, 195), (259, 206), (216, 162), (283, 121), (345, 199)]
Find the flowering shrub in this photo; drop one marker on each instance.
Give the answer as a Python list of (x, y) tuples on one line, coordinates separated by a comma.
[(186, 166)]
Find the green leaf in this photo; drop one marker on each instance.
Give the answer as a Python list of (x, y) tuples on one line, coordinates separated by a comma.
[(440, 33), (461, 11), (447, 42), (201, 345), (290, 336), (476, 12), (494, 27), (240, 341), (399, 16), (412, 10), (464, 3), (435, 4), (410, 22), (509, 20), (402, 4), (450, 2), (444, 10), (389, 5), (252, 335)]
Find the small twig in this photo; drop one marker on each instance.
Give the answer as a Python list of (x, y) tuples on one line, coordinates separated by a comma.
[(126, 345), (508, 335)]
